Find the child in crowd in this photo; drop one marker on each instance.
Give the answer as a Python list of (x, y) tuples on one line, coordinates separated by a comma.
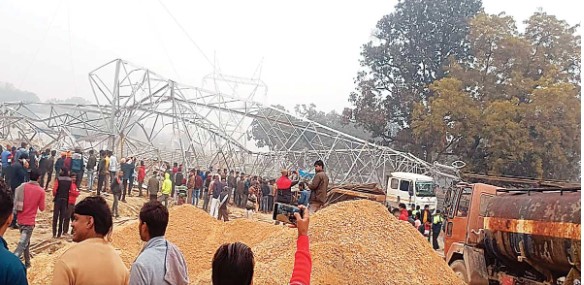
[(304, 194)]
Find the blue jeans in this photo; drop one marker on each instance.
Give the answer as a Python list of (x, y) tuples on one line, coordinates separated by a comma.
[(90, 179), (195, 197), (24, 244), (265, 201)]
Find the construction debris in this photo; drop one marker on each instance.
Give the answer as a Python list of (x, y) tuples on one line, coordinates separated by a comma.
[(347, 192), (355, 242)]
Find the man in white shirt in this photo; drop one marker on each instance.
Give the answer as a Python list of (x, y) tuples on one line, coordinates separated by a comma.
[(113, 164)]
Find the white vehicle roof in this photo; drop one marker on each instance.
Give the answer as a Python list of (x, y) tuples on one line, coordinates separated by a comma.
[(411, 176)]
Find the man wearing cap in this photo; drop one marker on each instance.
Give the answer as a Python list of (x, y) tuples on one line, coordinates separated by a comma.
[(86, 262)]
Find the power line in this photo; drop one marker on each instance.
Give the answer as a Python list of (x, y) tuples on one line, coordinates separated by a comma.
[(27, 70), (71, 49), (186, 34)]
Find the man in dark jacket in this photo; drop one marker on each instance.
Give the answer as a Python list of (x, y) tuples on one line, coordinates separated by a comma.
[(77, 166), (61, 201), (18, 176), (239, 197), (318, 187), (223, 197), (127, 167), (90, 168), (18, 173), (43, 161), (60, 163), (102, 172)]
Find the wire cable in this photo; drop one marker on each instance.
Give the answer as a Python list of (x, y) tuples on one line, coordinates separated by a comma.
[(27, 70)]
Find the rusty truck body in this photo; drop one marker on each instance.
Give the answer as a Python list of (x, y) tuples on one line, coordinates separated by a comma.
[(495, 235)]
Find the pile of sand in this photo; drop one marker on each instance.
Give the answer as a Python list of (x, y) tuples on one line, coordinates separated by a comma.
[(355, 242)]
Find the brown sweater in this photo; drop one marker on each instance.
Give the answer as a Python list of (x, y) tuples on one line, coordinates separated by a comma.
[(153, 185), (319, 185), (91, 262)]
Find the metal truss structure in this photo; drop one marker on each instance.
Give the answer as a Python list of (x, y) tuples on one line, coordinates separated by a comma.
[(140, 113)]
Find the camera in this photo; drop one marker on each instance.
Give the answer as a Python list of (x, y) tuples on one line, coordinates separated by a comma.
[(285, 213)]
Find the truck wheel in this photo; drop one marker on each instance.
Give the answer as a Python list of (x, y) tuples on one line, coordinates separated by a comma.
[(459, 269)]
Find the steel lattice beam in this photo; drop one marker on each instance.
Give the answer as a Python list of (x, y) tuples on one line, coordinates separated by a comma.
[(142, 113)]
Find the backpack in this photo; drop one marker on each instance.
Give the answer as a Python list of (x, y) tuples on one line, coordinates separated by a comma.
[(76, 164), (178, 178)]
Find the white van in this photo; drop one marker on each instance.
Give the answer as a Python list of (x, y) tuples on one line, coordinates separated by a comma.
[(410, 188)]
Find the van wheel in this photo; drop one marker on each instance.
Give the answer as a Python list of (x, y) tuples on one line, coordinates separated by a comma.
[(460, 270)]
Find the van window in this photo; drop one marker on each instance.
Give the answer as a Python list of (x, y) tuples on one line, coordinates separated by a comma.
[(404, 185), (394, 183)]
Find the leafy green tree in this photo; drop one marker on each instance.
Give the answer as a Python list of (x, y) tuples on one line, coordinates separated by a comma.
[(410, 49), (513, 108)]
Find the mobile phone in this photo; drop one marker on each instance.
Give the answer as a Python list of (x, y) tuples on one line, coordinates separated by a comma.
[(285, 213)]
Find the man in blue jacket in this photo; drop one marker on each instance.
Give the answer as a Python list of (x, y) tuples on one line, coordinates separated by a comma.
[(12, 271)]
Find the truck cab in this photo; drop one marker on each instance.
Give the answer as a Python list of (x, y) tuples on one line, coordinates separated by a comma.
[(410, 188), (497, 235), (464, 209)]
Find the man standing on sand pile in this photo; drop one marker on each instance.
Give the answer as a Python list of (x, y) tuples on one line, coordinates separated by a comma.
[(318, 187), (160, 261), (92, 261)]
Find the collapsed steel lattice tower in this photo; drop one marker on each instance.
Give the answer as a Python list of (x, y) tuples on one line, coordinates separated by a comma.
[(140, 113)]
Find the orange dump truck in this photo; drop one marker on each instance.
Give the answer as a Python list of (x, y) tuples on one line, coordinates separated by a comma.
[(495, 235)]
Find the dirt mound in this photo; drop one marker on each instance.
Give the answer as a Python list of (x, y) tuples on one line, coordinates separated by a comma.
[(356, 242)]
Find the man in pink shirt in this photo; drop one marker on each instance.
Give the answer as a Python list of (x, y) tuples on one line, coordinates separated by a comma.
[(32, 200)]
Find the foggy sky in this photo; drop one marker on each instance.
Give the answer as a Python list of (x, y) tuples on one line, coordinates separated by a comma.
[(309, 49)]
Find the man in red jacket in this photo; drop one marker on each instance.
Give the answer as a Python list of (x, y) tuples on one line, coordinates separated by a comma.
[(403, 212), (233, 263), (141, 177), (284, 185)]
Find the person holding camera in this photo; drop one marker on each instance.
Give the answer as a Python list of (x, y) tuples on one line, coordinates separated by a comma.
[(233, 263), (284, 184)]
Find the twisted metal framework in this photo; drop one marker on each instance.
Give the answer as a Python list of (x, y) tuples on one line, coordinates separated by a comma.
[(140, 113)]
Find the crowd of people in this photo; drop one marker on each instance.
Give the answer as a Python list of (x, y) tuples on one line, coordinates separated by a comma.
[(428, 224), (26, 178), (159, 262)]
